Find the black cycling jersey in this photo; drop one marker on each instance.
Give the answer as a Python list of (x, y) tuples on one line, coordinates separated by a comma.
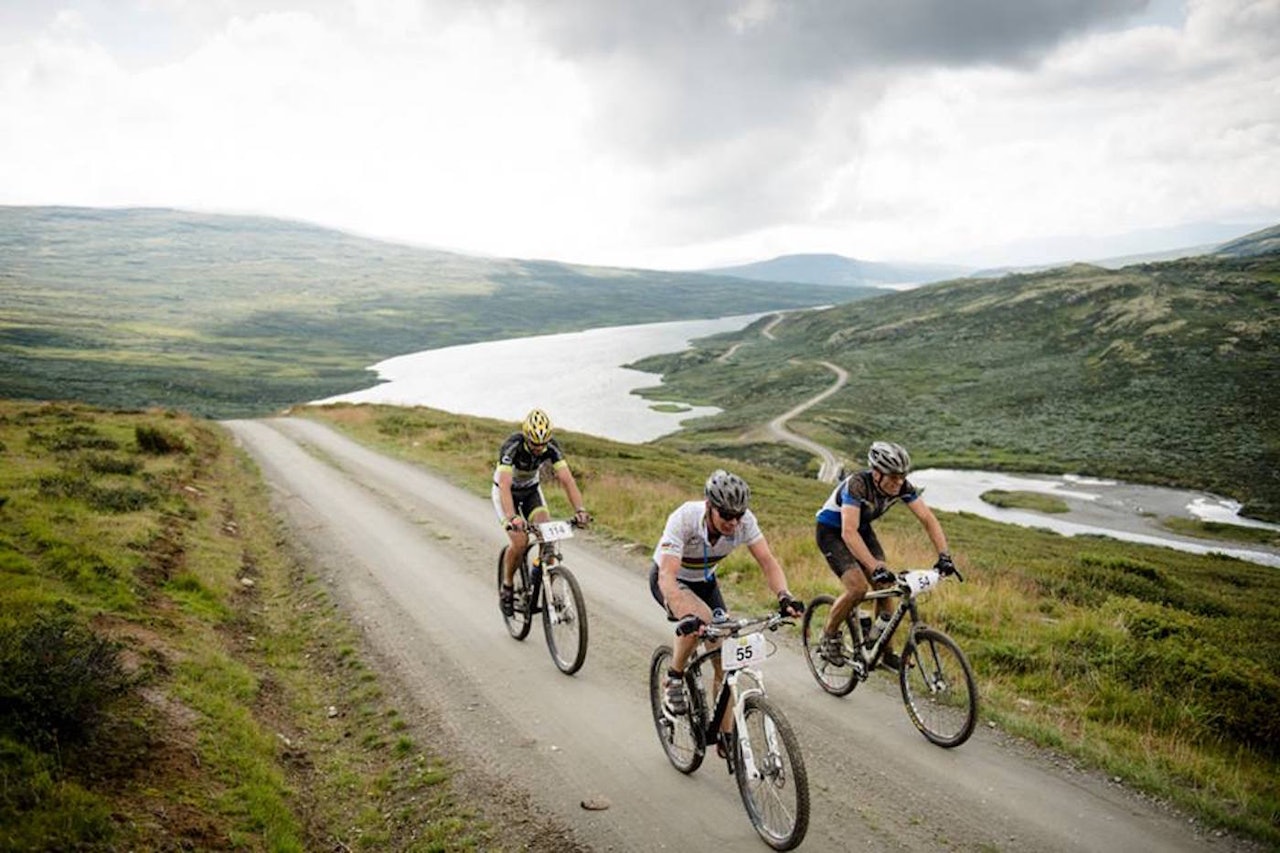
[(516, 457)]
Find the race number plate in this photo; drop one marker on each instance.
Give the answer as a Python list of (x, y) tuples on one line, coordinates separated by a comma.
[(739, 652), (553, 530), (921, 580)]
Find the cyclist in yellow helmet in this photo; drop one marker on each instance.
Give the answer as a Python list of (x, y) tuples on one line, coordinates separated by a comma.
[(517, 494)]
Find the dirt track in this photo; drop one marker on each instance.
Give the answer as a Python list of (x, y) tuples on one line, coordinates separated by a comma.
[(413, 557)]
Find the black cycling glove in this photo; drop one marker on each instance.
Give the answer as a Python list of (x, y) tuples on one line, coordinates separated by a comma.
[(944, 565), (689, 625), (789, 606), (882, 575)]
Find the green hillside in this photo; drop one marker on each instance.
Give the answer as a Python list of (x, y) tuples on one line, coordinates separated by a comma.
[(233, 316), (1160, 373)]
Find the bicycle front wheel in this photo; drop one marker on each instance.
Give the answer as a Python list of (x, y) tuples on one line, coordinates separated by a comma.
[(938, 688), (682, 736), (835, 673), (520, 621), (564, 619), (771, 775)]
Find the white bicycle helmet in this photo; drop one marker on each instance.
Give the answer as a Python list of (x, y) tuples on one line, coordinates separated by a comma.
[(727, 492), (889, 458)]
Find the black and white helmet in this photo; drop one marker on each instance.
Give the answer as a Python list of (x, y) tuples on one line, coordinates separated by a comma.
[(889, 458), (727, 492)]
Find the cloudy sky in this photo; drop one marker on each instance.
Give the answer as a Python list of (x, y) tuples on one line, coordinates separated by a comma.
[(661, 133)]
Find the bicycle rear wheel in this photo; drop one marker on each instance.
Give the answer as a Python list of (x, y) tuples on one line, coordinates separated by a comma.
[(775, 788), (834, 675), (564, 619), (938, 688), (682, 736), (519, 623)]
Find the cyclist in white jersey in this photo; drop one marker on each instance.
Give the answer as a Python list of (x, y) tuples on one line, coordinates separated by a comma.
[(698, 535)]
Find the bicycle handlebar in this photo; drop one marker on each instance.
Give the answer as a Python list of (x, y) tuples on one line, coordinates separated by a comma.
[(531, 527), (736, 627)]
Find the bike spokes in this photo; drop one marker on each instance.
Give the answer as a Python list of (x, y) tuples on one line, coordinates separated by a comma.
[(681, 735), (832, 664), (519, 622), (938, 688), (564, 618), (771, 775)]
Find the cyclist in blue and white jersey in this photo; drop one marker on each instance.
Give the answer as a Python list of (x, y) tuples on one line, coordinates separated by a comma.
[(698, 535), (853, 552)]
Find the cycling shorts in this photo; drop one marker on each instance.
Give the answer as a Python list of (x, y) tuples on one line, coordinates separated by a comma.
[(839, 557), (707, 591), (524, 500)]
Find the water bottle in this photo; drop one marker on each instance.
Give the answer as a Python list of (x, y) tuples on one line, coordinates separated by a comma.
[(882, 622), (864, 621)]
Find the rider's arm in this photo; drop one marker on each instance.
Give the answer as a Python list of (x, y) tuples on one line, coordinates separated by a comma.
[(668, 585), (930, 523), (504, 494), (850, 515), (565, 476), (773, 574)]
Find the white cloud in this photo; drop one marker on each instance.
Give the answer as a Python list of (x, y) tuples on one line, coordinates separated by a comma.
[(659, 133)]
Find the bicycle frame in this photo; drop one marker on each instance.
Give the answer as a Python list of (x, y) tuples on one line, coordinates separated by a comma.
[(906, 607), (547, 558), (729, 689)]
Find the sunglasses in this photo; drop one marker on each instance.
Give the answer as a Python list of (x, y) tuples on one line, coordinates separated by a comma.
[(728, 516)]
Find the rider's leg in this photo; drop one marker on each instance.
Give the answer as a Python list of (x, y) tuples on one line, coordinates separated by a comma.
[(847, 569), (855, 583), (514, 553), (682, 604)]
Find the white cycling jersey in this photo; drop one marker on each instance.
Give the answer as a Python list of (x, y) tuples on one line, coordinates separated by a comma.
[(686, 537)]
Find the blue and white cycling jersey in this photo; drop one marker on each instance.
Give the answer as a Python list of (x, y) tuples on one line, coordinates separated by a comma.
[(860, 490)]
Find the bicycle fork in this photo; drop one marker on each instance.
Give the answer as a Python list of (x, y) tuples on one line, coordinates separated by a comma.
[(749, 767)]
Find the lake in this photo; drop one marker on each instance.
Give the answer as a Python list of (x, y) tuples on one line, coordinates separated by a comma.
[(1120, 510), (576, 377)]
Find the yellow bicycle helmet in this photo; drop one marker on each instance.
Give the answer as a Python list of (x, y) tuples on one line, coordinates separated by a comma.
[(536, 427)]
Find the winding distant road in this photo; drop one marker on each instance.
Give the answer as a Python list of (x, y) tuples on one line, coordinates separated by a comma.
[(411, 559), (830, 465), (777, 427)]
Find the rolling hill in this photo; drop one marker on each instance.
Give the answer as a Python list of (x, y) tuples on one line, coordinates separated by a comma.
[(1160, 373), (841, 271), (234, 316)]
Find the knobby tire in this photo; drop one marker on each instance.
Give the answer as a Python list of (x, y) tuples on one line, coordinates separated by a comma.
[(836, 680), (938, 688), (778, 801), (683, 737), (567, 640), (520, 622)]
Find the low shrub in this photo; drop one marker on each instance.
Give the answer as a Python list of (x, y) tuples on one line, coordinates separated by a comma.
[(159, 441), (57, 678), (72, 437)]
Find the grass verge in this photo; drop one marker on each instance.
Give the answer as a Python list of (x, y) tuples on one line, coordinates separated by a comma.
[(170, 677)]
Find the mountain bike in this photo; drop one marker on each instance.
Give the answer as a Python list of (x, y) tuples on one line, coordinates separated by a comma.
[(760, 747), (548, 587), (938, 687)]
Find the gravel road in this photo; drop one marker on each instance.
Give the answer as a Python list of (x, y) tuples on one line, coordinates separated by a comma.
[(413, 558)]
